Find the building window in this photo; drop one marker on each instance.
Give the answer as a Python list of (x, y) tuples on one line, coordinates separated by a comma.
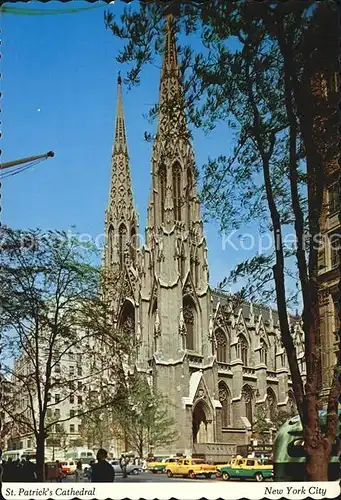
[(79, 386), (72, 371), (57, 398), (334, 244), (79, 371), (71, 356), (72, 413), (72, 399), (80, 400), (162, 187), (111, 244), (291, 405), (176, 173), (221, 342), (72, 428), (271, 405), (57, 413), (189, 319), (334, 198), (225, 400), (243, 349), (57, 368), (49, 413), (29, 443), (59, 428), (122, 233), (247, 397)]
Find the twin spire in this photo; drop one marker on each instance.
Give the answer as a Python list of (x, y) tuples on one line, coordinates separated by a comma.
[(120, 143)]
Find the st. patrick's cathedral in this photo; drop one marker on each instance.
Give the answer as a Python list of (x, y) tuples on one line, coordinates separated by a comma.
[(213, 362)]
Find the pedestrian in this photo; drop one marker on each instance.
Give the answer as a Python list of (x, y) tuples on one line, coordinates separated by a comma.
[(102, 471), (28, 471), (123, 465), (59, 472), (79, 472)]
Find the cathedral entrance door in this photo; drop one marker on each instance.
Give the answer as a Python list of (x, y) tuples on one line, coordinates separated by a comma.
[(202, 424)]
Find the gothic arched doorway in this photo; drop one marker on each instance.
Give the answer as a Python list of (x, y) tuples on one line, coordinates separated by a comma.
[(201, 424)]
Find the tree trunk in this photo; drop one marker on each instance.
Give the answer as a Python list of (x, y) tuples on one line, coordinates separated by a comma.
[(40, 451), (318, 459)]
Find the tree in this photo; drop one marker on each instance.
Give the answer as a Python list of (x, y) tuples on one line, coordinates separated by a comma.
[(263, 426), (262, 70), (142, 421), (53, 312)]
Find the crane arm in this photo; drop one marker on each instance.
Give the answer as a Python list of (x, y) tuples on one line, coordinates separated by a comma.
[(9, 164)]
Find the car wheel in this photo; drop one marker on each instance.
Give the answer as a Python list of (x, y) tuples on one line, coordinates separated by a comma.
[(259, 477), (207, 476), (135, 472), (192, 475), (154, 471), (226, 477), (169, 473)]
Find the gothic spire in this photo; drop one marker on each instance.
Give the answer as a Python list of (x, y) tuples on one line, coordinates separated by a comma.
[(171, 103), (121, 217), (120, 144)]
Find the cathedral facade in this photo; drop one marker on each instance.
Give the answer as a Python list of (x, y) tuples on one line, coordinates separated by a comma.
[(214, 362)]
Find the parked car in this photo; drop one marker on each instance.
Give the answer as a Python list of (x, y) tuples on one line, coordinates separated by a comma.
[(245, 468), (68, 466), (190, 467), (161, 466), (131, 468)]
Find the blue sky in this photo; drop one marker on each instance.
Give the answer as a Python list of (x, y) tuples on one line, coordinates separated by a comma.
[(59, 93)]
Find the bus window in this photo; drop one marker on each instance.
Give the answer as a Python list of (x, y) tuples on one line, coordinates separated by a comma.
[(295, 448)]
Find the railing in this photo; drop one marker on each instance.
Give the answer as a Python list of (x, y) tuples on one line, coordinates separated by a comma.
[(195, 359), (248, 371), (224, 367)]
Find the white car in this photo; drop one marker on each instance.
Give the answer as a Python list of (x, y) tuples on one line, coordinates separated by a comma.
[(131, 468)]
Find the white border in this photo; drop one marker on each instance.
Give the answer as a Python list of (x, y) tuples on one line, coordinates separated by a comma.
[(210, 490)]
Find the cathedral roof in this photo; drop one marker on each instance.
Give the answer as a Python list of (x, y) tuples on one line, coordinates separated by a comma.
[(258, 309)]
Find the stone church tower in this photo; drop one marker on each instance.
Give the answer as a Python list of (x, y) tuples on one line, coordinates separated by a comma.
[(214, 363)]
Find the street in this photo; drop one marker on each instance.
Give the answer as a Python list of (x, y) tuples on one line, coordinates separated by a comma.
[(147, 477)]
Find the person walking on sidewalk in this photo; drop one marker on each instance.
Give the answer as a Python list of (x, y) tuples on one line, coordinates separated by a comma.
[(102, 471)]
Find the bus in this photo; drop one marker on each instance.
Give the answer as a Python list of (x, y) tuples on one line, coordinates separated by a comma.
[(83, 454), (289, 456), (19, 454)]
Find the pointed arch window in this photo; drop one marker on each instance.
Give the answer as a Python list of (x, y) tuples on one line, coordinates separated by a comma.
[(291, 405), (182, 262), (162, 189), (122, 234), (271, 404), (176, 174), (189, 319), (243, 349), (111, 245), (221, 341), (225, 400), (247, 398), (133, 244)]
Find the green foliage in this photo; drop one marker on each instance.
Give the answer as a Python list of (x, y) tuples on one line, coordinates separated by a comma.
[(143, 419)]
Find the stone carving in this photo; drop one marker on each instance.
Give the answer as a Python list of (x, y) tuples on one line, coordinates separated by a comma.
[(188, 289), (182, 325), (157, 324)]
